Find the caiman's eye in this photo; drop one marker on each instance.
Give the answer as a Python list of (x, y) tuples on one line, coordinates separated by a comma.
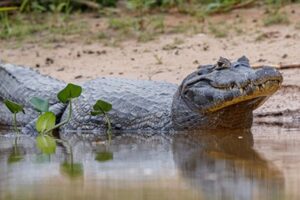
[(240, 64), (242, 61), (235, 65)]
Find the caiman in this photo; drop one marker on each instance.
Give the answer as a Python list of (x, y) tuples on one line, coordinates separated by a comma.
[(218, 96)]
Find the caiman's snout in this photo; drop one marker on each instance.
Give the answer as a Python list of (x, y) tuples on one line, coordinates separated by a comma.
[(266, 81), (266, 73), (215, 87)]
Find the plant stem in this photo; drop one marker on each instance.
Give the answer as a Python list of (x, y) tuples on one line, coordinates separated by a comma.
[(15, 123), (16, 144), (63, 122), (16, 129), (107, 120)]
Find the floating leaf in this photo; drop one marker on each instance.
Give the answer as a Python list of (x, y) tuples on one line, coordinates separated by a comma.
[(69, 92), (104, 156), (103, 106), (45, 122), (41, 105), (13, 106), (46, 144), (73, 170)]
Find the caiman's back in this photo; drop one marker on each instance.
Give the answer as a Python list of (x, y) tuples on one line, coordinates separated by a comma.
[(137, 105)]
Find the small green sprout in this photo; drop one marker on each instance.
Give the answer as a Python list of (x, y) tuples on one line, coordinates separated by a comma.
[(46, 143), (44, 124), (66, 95), (41, 105), (70, 92), (101, 108), (14, 108), (46, 121)]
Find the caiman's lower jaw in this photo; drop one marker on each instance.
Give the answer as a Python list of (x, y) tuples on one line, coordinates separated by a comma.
[(258, 92)]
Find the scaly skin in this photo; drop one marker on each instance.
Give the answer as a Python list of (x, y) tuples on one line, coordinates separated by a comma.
[(215, 96), (20, 84)]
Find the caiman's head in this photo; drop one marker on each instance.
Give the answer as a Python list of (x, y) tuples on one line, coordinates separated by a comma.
[(225, 94)]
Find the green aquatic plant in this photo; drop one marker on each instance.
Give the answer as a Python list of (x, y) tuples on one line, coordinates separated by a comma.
[(45, 123), (14, 108), (102, 108), (71, 91), (45, 142), (66, 95)]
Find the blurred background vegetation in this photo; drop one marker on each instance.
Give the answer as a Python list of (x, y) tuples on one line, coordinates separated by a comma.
[(20, 18), (67, 6)]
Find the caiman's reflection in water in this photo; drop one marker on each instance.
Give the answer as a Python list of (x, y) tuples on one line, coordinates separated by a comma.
[(208, 164), (225, 166)]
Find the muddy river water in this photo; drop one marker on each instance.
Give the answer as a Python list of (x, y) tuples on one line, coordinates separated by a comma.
[(262, 163)]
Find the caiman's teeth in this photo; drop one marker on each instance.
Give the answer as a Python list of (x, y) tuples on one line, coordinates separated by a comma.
[(250, 85), (261, 86)]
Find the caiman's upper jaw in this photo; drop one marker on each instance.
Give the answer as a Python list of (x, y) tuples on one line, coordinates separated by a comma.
[(219, 88), (258, 92)]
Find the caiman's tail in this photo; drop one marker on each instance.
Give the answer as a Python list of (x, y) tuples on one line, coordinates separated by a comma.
[(20, 84)]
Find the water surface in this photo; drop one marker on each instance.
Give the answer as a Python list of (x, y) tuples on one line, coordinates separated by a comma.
[(260, 164)]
